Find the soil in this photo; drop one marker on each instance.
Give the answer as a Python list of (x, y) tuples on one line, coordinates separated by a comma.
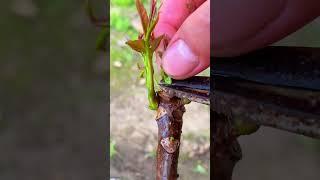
[(134, 129), (267, 154)]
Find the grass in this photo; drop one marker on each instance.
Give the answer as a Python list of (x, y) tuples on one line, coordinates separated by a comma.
[(200, 169), (122, 13), (113, 150)]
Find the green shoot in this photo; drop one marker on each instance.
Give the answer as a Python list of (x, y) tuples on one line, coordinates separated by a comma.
[(146, 44)]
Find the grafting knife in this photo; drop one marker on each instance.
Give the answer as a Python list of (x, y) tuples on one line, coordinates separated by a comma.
[(275, 86)]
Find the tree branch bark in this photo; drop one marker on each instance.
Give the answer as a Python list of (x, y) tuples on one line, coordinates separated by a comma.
[(169, 120)]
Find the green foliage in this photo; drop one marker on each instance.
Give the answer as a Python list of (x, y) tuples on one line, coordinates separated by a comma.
[(200, 169), (113, 150), (165, 77), (123, 3), (151, 154), (146, 44), (119, 22), (120, 32)]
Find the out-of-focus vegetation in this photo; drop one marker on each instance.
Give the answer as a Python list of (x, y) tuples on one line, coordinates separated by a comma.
[(113, 150), (123, 71), (52, 91), (125, 25), (200, 168)]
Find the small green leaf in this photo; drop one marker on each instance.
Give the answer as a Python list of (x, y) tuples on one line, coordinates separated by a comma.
[(137, 45), (113, 150), (200, 169), (143, 15), (141, 75), (167, 79), (156, 42)]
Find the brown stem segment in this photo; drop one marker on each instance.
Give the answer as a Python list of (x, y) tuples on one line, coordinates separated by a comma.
[(226, 149), (169, 120)]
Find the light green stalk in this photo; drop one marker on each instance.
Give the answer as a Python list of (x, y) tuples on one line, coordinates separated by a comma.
[(147, 58)]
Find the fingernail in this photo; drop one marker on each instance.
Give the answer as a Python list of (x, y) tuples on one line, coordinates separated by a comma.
[(179, 60)]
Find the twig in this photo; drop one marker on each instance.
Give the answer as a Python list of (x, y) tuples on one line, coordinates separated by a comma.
[(226, 149), (169, 120)]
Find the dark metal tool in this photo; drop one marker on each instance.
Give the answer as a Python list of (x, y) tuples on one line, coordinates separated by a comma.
[(195, 89), (276, 86)]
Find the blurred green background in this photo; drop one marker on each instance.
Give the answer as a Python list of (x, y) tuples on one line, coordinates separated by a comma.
[(52, 92), (123, 71)]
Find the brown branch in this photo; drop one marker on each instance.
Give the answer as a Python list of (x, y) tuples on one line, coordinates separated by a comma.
[(226, 149), (266, 114), (99, 22), (169, 120)]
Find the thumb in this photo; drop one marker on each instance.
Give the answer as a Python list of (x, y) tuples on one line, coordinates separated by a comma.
[(188, 52)]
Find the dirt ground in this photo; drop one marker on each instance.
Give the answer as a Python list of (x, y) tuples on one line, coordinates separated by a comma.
[(267, 154), (134, 129)]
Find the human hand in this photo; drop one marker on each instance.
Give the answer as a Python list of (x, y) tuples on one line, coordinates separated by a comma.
[(238, 27), (187, 24)]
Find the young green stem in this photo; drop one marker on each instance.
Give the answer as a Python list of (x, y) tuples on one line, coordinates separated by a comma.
[(153, 101)]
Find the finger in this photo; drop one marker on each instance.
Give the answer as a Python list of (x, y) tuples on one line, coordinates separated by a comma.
[(238, 28), (188, 52), (173, 13)]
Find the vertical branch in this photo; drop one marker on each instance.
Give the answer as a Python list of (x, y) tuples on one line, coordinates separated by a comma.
[(226, 149), (169, 120)]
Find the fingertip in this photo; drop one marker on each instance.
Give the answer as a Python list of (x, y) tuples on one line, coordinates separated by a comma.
[(189, 49), (179, 60)]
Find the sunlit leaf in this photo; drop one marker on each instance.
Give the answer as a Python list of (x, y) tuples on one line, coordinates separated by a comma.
[(137, 45), (156, 42), (167, 79), (143, 15)]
